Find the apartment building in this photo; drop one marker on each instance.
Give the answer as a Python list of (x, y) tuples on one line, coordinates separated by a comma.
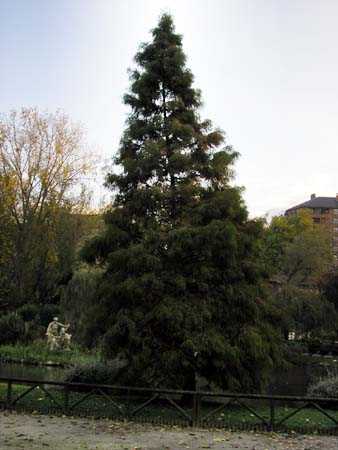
[(324, 212)]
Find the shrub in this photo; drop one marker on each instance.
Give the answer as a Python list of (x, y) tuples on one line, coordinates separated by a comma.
[(326, 387), (12, 328), (28, 323), (28, 312), (33, 332), (95, 373), (47, 312)]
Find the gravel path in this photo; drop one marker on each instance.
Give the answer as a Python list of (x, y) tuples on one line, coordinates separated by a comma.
[(35, 432)]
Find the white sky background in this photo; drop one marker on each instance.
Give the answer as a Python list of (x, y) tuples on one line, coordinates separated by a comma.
[(268, 71)]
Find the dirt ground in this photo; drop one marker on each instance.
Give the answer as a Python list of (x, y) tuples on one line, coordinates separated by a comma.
[(35, 432)]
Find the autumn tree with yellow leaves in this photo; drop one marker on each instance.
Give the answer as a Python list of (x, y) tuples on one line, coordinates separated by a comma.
[(43, 162)]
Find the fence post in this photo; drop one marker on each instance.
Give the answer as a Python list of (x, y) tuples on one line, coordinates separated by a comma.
[(66, 398), (196, 409), (272, 415), (128, 410), (9, 394)]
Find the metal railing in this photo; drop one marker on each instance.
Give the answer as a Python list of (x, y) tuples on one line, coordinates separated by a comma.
[(168, 406)]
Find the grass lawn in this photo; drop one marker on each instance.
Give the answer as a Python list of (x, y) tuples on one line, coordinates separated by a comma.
[(236, 416), (38, 353)]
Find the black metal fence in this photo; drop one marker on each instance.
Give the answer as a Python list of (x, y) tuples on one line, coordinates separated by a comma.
[(173, 407)]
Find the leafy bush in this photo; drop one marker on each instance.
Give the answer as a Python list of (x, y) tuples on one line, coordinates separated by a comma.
[(12, 328), (28, 312), (95, 373), (27, 324), (47, 312), (326, 387)]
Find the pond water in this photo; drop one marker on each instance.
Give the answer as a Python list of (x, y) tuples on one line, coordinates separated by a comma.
[(293, 381), (40, 373)]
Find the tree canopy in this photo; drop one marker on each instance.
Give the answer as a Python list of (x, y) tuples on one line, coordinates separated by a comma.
[(181, 291), (299, 257), (42, 163)]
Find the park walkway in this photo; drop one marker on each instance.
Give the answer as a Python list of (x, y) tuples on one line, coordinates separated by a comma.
[(36, 432)]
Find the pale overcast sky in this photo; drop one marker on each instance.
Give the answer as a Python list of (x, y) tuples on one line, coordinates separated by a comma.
[(268, 71)]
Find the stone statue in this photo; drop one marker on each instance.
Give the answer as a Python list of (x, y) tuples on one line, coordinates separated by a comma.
[(57, 338), (65, 338)]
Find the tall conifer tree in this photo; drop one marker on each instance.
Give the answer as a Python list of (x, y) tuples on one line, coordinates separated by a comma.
[(181, 294)]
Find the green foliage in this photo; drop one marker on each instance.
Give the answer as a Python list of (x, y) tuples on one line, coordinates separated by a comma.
[(95, 372), (37, 352), (41, 214), (11, 328), (181, 290), (46, 313), (297, 250), (6, 243), (329, 287), (28, 312), (308, 313), (326, 387), (79, 305), (27, 323), (298, 256)]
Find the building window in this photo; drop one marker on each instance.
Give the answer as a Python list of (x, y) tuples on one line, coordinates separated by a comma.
[(316, 220)]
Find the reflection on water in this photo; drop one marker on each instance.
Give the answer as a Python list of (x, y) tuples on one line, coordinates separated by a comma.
[(43, 373), (293, 381)]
